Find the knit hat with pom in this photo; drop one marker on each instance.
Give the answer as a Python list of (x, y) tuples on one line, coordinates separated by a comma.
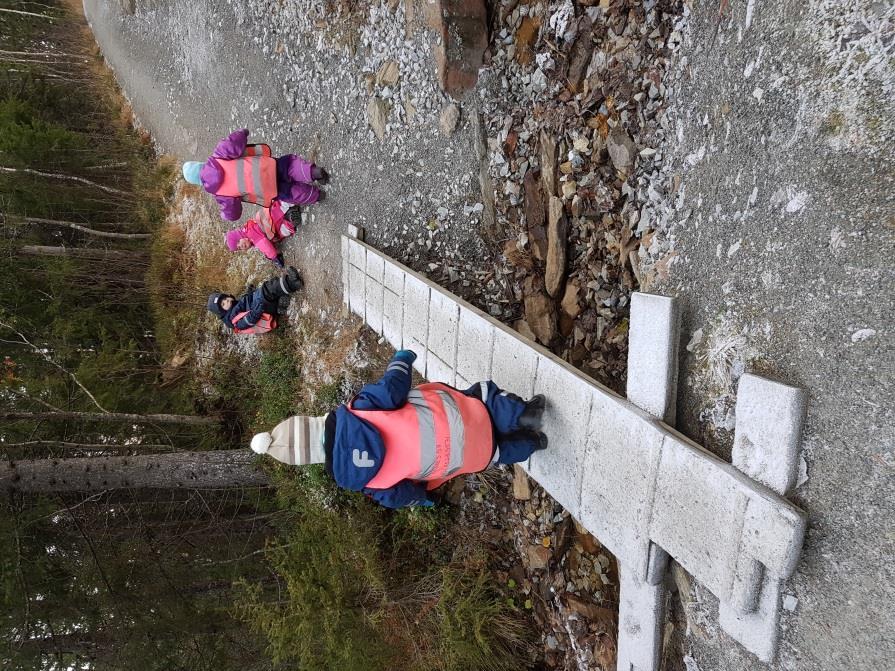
[(297, 441), (191, 172)]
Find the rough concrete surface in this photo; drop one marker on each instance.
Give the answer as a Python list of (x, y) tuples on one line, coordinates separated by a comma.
[(768, 431), (784, 235), (653, 345)]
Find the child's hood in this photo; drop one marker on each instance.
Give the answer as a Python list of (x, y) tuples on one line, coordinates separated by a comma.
[(358, 451), (233, 236), (212, 175), (214, 304)]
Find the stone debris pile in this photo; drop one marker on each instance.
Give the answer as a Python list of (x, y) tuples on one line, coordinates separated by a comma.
[(575, 115)]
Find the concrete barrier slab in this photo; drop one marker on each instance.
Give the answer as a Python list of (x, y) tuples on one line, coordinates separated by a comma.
[(643, 489), (718, 516), (416, 319), (373, 301), (773, 535), (475, 339), (462, 383), (654, 334), (700, 523), (438, 371), (618, 481), (392, 316), (444, 314), (346, 264), (558, 468), (357, 254), (757, 631), (640, 622), (513, 366), (393, 279), (357, 296), (769, 418)]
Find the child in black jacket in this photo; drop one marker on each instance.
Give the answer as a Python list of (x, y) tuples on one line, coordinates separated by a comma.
[(255, 312)]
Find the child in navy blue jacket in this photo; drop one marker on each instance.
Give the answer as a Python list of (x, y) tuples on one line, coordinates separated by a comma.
[(395, 443), (255, 311)]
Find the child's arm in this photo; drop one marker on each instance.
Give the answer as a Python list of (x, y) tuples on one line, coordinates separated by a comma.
[(231, 208), (392, 389), (405, 493), (232, 146), (267, 248), (254, 304)]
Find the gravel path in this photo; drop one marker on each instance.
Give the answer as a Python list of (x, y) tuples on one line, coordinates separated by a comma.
[(269, 67), (773, 212)]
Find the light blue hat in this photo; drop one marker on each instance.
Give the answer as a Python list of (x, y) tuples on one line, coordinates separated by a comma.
[(191, 172)]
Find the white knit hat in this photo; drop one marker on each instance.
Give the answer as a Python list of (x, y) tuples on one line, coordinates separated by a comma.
[(296, 441)]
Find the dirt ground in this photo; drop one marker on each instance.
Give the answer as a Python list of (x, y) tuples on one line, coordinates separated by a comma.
[(774, 225)]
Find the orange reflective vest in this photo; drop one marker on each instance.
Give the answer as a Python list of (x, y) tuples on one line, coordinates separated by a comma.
[(438, 434), (265, 220), (252, 177), (266, 324)]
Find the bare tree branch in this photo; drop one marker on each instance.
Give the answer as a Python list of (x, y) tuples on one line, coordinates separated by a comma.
[(39, 16), (49, 360), (83, 229), (70, 178), (76, 252)]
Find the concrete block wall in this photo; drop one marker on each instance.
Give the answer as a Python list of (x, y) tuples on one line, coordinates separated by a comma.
[(630, 479)]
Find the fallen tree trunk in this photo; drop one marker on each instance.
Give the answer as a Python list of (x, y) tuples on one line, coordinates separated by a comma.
[(215, 469)]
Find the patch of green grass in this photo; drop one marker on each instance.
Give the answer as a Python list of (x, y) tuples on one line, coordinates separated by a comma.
[(833, 123), (361, 587), (475, 626), (318, 617), (276, 381)]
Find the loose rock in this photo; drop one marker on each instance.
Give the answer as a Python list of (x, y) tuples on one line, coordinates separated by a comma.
[(535, 214), (557, 232), (540, 313), (450, 117), (538, 557), (548, 164), (521, 487), (622, 149), (377, 115)]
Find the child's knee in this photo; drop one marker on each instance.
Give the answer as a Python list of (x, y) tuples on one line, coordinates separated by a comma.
[(516, 448)]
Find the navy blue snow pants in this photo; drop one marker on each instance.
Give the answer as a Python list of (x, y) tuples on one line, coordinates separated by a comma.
[(514, 444)]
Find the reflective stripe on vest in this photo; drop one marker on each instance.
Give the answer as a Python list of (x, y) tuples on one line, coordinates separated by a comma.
[(438, 434), (251, 178), (257, 150), (265, 223), (265, 324)]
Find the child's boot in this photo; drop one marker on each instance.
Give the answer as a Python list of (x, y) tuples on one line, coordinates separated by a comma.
[(318, 174), (293, 280), (533, 415)]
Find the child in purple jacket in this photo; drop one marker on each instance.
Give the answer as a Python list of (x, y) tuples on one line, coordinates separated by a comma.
[(237, 171)]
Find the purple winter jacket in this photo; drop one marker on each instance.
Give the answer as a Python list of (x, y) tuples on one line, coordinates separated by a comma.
[(212, 175)]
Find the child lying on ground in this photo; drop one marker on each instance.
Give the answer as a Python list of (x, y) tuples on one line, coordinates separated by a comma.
[(269, 226), (255, 311), (237, 172), (395, 443)]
